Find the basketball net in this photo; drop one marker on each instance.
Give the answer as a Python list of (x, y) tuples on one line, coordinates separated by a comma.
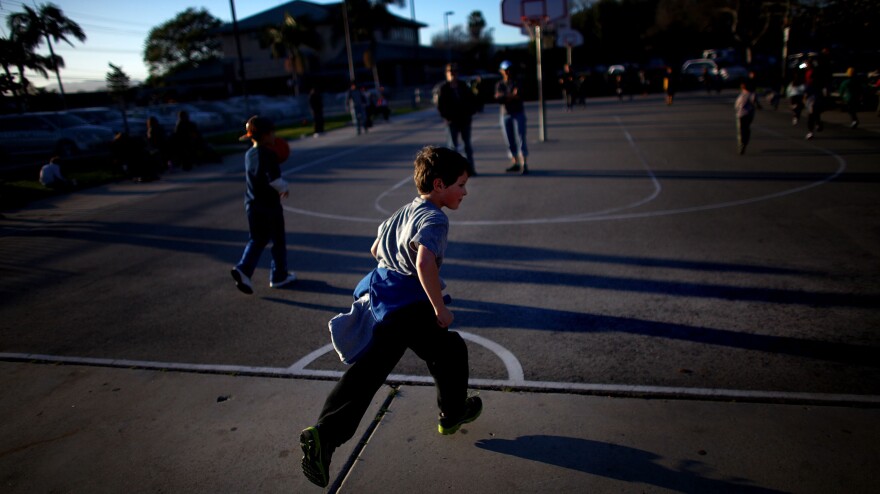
[(531, 23)]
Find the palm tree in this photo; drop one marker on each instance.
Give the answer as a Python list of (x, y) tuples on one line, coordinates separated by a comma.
[(366, 17), (287, 40), (15, 54), (50, 23)]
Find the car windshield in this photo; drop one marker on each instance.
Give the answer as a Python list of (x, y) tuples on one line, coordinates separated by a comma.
[(64, 121)]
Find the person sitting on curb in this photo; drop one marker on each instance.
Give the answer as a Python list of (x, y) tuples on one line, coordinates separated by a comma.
[(52, 178)]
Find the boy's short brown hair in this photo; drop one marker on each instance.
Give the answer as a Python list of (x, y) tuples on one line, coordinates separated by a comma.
[(437, 162)]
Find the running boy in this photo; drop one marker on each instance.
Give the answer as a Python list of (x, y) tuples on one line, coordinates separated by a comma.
[(262, 201), (406, 296)]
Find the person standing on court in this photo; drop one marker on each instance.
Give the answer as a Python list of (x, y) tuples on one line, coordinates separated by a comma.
[(262, 201), (513, 119), (670, 85), (316, 104), (408, 309), (851, 94), (745, 106), (357, 106), (566, 81), (813, 97), (457, 105)]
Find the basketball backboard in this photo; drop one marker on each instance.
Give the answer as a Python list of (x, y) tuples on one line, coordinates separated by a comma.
[(519, 12), (569, 38)]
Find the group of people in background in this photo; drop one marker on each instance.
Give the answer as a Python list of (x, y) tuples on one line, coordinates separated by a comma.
[(457, 103), (364, 106), (144, 158), (808, 90)]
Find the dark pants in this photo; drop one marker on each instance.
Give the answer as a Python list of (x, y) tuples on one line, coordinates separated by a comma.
[(744, 131), (266, 225), (463, 129), (413, 327), (814, 112)]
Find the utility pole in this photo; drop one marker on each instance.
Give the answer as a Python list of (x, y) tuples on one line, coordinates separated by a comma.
[(448, 38), (247, 107), (347, 40)]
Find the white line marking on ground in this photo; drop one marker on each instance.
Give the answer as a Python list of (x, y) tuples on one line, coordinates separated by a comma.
[(607, 215), (521, 385), (389, 191), (511, 363)]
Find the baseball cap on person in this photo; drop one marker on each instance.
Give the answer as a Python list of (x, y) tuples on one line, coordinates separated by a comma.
[(505, 65), (257, 127)]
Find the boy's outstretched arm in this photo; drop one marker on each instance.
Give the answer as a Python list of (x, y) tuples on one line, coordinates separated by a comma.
[(429, 276)]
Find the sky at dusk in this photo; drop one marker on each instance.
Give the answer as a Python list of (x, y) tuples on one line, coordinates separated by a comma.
[(117, 30)]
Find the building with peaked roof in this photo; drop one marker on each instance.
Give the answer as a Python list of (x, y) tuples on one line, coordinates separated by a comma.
[(399, 59)]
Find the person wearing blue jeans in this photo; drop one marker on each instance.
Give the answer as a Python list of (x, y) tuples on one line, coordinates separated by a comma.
[(262, 202), (513, 119)]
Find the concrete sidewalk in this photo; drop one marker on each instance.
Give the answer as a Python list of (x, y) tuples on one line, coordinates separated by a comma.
[(84, 429)]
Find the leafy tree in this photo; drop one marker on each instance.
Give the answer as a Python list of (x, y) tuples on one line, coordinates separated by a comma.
[(118, 84), (479, 39), (476, 25), (472, 40), (184, 42), (287, 41), (366, 18), (49, 22), (14, 54)]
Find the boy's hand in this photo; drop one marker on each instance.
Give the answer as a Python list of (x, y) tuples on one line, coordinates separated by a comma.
[(444, 317)]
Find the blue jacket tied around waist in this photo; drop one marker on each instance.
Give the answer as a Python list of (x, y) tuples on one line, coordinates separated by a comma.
[(381, 292)]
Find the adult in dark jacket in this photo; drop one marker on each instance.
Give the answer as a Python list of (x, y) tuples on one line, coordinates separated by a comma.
[(457, 105)]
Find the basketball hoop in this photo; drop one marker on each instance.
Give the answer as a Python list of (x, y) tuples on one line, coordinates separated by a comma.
[(518, 13), (533, 16)]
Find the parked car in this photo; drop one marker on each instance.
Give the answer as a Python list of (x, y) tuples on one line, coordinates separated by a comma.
[(692, 70), (234, 117), (733, 74), (167, 116), (51, 133), (283, 108), (111, 118)]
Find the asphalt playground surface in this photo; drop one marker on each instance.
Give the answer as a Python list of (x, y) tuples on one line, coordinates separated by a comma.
[(646, 311)]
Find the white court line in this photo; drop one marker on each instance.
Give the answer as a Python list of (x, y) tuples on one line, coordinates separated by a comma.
[(511, 363), (621, 390), (607, 215)]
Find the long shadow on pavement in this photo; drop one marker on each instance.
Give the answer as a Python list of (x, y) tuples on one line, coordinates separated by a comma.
[(619, 462)]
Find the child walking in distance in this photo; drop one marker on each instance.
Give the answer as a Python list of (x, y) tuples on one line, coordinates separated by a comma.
[(405, 293), (745, 112), (262, 202)]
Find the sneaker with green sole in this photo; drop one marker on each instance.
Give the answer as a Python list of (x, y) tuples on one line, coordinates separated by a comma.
[(316, 457), (473, 406)]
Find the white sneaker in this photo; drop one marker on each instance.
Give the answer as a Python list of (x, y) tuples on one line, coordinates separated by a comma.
[(291, 277), (854, 124), (809, 135), (242, 282), (794, 121)]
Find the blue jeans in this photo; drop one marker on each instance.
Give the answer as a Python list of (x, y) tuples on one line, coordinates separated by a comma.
[(514, 129), (452, 132), (265, 226)]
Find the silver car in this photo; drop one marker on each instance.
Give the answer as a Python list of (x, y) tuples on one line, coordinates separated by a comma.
[(47, 133)]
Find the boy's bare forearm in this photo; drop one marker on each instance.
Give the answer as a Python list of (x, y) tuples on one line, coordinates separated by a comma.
[(429, 277)]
